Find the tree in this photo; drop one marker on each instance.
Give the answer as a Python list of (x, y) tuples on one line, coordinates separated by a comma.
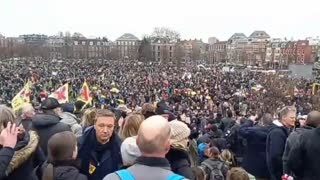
[(145, 50), (164, 32), (77, 35), (178, 53), (195, 54)]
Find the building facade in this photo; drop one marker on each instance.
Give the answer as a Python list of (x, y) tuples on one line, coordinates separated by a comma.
[(127, 47), (163, 50), (56, 47), (93, 48)]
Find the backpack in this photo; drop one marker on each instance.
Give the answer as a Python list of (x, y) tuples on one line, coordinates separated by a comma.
[(126, 175), (215, 170)]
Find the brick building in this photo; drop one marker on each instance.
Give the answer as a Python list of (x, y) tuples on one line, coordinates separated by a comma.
[(127, 46), (93, 48), (163, 50)]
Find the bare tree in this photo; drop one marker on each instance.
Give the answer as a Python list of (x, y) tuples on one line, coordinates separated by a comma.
[(196, 52), (164, 32)]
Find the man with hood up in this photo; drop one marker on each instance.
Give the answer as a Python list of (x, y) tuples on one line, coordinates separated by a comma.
[(69, 118)]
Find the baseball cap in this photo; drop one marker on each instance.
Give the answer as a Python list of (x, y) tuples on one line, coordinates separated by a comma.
[(49, 104)]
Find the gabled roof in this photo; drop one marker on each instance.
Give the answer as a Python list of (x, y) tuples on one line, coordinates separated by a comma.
[(236, 36), (128, 36), (259, 35)]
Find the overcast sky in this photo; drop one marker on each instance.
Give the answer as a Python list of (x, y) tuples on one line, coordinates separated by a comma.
[(192, 18)]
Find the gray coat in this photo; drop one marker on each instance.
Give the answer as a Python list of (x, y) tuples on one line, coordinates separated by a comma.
[(72, 121), (291, 141)]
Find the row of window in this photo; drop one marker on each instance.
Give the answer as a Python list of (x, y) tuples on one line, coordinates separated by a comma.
[(154, 48), (129, 43), (90, 43)]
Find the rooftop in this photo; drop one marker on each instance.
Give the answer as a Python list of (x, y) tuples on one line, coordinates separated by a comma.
[(128, 36)]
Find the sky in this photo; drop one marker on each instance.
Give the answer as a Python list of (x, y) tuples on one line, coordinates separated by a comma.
[(296, 19)]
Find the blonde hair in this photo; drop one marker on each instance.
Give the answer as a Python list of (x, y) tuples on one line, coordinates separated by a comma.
[(237, 174), (6, 115), (227, 157), (88, 117), (131, 125)]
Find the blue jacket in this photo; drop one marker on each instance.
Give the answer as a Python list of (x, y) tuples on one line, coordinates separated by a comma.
[(98, 160), (254, 159), (276, 142)]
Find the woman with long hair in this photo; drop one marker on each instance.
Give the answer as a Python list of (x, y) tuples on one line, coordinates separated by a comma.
[(131, 125)]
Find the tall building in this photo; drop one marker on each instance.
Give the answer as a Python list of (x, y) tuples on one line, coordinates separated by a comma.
[(127, 46), (93, 48), (256, 47), (163, 49), (236, 47)]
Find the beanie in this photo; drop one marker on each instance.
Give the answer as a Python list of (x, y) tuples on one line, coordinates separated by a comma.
[(179, 133), (130, 151)]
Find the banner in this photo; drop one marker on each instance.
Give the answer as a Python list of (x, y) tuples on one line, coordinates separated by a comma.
[(61, 94), (84, 95), (22, 97)]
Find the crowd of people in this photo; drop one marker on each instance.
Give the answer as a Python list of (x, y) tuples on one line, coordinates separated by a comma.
[(164, 121)]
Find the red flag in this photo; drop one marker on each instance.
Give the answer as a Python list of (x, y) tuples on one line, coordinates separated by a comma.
[(61, 94)]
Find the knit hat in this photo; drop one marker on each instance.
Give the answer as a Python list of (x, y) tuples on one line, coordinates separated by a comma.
[(130, 151), (179, 134)]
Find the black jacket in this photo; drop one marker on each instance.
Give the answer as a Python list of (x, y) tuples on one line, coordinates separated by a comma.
[(62, 170), (98, 160), (304, 159), (276, 142), (46, 125), (26, 157), (6, 155), (180, 163), (254, 159)]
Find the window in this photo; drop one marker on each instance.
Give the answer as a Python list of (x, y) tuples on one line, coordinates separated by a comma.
[(170, 54), (170, 48), (158, 48), (91, 43), (153, 48), (98, 43), (129, 43), (76, 43), (158, 53), (83, 43), (133, 43)]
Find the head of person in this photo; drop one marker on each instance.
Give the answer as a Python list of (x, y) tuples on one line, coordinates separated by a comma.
[(131, 125), (130, 151), (68, 107), (180, 133), (27, 111), (302, 120), (148, 110), (6, 115), (313, 119), (61, 147), (227, 157), (104, 125), (287, 116), (266, 119), (153, 137), (229, 114), (237, 174), (199, 173), (212, 152), (88, 117), (51, 106)]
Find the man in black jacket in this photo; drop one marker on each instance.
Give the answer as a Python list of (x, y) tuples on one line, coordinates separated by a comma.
[(254, 160), (304, 159), (48, 123), (276, 140)]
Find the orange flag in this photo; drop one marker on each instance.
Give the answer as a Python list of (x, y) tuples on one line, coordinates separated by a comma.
[(85, 93)]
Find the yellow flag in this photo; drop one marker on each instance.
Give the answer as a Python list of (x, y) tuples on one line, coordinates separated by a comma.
[(22, 97)]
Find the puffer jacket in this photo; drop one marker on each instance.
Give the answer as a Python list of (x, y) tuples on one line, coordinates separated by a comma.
[(72, 120), (46, 125)]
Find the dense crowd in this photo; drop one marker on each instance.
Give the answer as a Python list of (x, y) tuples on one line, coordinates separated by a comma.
[(156, 121)]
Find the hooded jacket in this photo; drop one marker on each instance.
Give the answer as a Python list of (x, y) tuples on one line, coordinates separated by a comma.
[(72, 120), (26, 156), (180, 163), (46, 125)]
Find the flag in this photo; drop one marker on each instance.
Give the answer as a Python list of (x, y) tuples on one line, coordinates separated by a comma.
[(61, 94), (315, 88), (85, 93), (22, 97)]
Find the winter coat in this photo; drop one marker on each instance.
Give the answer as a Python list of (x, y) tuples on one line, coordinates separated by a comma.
[(72, 120), (254, 159), (90, 150), (180, 163), (291, 141), (276, 142), (46, 125), (6, 155), (27, 155), (62, 170), (304, 159)]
